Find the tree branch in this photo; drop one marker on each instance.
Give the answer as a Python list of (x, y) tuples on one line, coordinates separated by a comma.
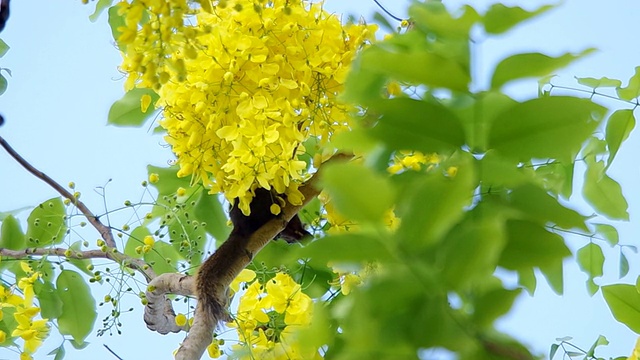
[(105, 232), (122, 259)]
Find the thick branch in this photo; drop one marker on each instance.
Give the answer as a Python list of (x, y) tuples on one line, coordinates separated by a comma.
[(104, 231), (158, 314), (199, 336)]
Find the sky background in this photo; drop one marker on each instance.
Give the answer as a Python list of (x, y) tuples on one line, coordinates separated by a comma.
[(65, 78)]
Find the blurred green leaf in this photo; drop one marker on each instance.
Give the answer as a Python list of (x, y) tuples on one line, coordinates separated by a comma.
[(530, 244), (169, 181), (604, 193), (4, 47), (553, 272), (601, 82), (46, 224), (550, 127), (493, 304), (591, 260), (432, 16), (632, 90), (409, 124), (3, 84), (496, 170), (623, 265), (435, 203), (521, 66), (470, 253), (619, 126), (544, 208), (557, 177), (601, 341), (11, 236), (527, 279), (624, 303), (609, 233), (78, 306), (128, 112), (101, 5), (348, 248), (500, 18), (366, 199)]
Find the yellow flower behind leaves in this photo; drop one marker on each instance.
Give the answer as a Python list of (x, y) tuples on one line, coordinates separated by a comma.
[(635, 355), (244, 87)]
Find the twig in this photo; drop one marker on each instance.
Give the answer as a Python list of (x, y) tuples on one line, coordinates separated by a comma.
[(120, 258), (104, 231), (386, 11), (112, 352)]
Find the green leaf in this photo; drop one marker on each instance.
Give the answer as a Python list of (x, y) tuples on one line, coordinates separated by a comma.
[(470, 253), (135, 239), (624, 303), (128, 112), (48, 299), (208, 209), (553, 350), (3, 84), (115, 21), (46, 224), (544, 208), (81, 264), (405, 58), (530, 244), (348, 247), (601, 82), (169, 181), (604, 193), (527, 279), (619, 127), (383, 22), (601, 341), (101, 5), (78, 306), (550, 127), (432, 16), (59, 352), (609, 233), (633, 88), (554, 274), (4, 47), (409, 124), (521, 66), (493, 304), (500, 18), (435, 203), (623, 266), (163, 258), (11, 236), (557, 177), (366, 199), (497, 171), (591, 260)]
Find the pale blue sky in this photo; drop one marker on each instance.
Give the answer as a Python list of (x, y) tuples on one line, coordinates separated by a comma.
[(65, 79)]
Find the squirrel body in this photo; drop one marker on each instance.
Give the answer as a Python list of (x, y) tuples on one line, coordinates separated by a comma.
[(219, 265)]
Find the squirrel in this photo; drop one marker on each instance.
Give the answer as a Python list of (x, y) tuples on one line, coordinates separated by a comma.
[(217, 265)]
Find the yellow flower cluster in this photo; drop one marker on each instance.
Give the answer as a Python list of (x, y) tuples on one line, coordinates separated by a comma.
[(413, 160), (153, 31), (269, 316), (244, 87), (31, 331)]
